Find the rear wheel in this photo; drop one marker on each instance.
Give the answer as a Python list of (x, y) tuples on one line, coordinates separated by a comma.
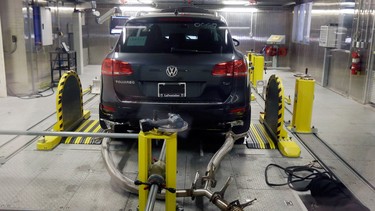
[(103, 125)]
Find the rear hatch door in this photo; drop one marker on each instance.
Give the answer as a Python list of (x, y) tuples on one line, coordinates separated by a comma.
[(180, 77)]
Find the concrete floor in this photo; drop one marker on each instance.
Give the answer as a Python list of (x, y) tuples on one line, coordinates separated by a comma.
[(73, 177)]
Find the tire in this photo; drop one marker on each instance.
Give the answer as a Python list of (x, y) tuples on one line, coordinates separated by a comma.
[(103, 125)]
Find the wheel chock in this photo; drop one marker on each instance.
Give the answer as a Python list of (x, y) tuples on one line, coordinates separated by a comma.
[(48, 142), (273, 118), (289, 148), (69, 109)]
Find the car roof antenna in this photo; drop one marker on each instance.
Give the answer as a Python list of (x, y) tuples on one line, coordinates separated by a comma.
[(176, 12)]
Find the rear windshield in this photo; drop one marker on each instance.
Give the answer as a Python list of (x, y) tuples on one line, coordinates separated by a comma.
[(175, 35)]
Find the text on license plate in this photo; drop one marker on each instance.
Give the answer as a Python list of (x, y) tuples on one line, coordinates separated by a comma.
[(172, 89)]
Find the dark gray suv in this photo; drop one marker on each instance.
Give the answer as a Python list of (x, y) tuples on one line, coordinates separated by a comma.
[(176, 62)]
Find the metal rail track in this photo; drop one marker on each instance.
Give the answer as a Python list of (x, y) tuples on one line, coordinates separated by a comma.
[(6, 154), (338, 166)]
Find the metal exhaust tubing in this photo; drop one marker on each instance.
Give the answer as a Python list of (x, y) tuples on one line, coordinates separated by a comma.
[(124, 182), (127, 184)]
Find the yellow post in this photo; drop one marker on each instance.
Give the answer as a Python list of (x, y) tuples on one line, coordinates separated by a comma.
[(143, 165), (251, 64), (258, 63), (303, 105), (171, 171), (249, 57)]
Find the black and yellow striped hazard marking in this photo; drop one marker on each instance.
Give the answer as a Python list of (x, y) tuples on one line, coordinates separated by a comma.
[(69, 103), (274, 109), (274, 118), (88, 126), (259, 139)]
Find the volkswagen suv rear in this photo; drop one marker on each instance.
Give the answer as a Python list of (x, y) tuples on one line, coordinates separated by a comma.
[(177, 62)]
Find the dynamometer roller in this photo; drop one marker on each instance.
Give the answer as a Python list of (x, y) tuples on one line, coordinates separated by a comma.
[(272, 129)]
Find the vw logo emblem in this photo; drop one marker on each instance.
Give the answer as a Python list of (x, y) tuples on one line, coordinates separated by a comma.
[(171, 71)]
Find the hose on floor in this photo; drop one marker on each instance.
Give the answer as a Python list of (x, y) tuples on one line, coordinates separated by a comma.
[(328, 192)]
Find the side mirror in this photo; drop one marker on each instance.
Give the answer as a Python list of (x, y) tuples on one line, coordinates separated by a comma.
[(236, 42)]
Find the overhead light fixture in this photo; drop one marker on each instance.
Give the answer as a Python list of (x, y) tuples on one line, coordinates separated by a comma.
[(135, 2), (338, 11), (349, 4), (238, 9), (235, 2), (62, 8), (245, 3)]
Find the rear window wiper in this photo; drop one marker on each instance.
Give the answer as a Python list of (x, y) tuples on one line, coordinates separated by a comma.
[(182, 50)]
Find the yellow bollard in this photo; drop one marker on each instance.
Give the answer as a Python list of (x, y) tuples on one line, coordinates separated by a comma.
[(250, 60), (171, 171), (144, 161), (144, 164), (303, 105), (258, 64)]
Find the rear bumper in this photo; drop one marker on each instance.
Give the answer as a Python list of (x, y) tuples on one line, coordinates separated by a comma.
[(199, 116)]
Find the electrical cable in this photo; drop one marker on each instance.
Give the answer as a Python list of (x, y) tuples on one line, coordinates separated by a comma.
[(328, 192), (39, 94), (311, 172)]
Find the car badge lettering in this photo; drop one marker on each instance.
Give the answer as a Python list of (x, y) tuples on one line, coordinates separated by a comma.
[(124, 82), (171, 71)]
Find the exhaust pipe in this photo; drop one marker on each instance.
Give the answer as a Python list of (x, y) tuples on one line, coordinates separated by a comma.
[(124, 182), (216, 159), (216, 198)]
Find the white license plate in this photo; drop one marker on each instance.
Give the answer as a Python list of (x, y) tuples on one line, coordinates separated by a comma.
[(172, 89)]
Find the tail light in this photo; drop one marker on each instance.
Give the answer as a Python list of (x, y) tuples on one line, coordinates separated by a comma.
[(235, 68), (238, 110), (107, 108), (107, 67), (113, 67)]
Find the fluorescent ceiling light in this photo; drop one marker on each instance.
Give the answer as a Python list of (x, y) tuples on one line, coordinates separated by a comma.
[(62, 8), (138, 2), (339, 11), (238, 9), (336, 4), (235, 2)]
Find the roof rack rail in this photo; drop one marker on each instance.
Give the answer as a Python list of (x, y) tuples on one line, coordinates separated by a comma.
[(189, 10)]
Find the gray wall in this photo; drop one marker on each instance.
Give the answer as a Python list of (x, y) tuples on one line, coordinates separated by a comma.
[(16, 70), (28, 68), (311, 56), (3, 88), (40, 55), (260, 29), (263, 25), (97, 37)]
